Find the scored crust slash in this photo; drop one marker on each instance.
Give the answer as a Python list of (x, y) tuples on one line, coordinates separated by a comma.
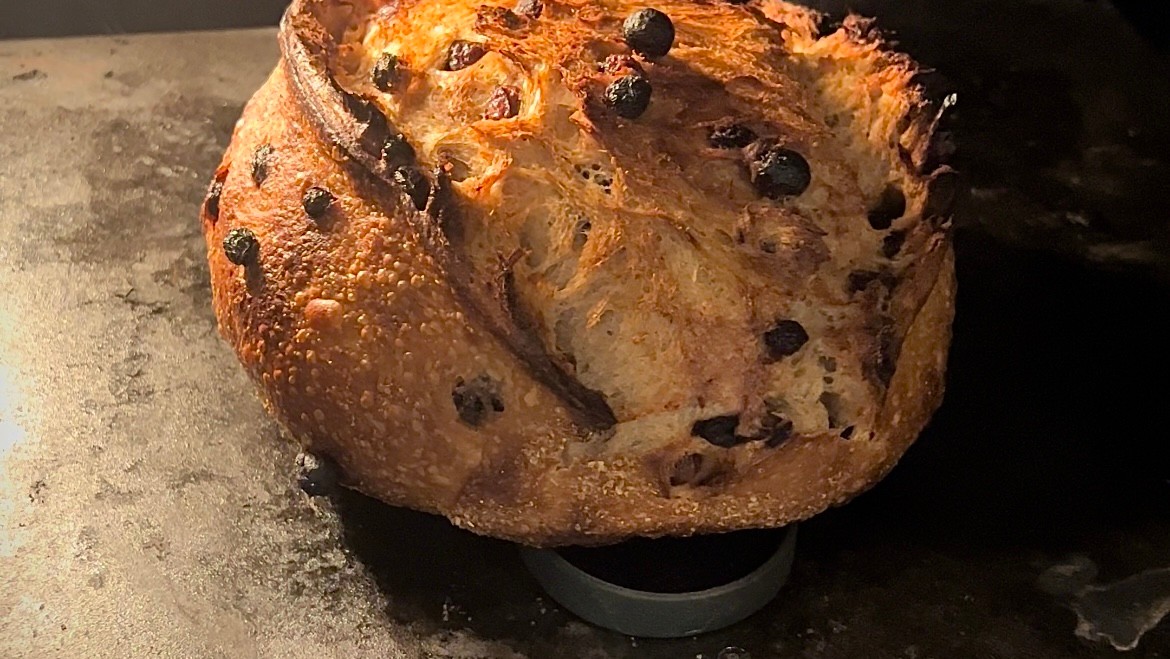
[(569, 273)]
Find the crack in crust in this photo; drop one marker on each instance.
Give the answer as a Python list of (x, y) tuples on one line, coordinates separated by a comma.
[(357, 126)]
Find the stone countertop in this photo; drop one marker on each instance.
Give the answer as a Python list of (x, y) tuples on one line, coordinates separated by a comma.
[(147, 505)]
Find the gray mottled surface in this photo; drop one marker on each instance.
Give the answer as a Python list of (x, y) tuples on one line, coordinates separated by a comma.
[(147, 507)]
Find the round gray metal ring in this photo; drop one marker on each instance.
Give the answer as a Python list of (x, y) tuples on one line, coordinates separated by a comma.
[(660, 615)]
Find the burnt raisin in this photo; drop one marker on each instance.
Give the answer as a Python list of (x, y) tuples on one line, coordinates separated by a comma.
[(214, 192), (396, 151), (503, 104), (891, 206), (462, 54), (261, 158), (530, 8), (892, 244), (415, 184), (628, 96), (730, 135), (719, 430), (386, 74), (786, 338), (777, 172), (317, 202), (476, 400), (241, 246), (649, 32)]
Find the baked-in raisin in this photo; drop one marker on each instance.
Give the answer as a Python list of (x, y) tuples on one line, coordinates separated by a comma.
[(317, 202), (477, 399), (462, 54), (241, 246), (730, 135), (892, 244), (396, 151), (776, 431), (784, 339), (415, 184), (385, 74), (719, 430), (859, 280), (530, 8), (848, 432), (777, 172), (504, 103), (261, 158), (889, 207), (214, 192), (628, 96), (649, 32)]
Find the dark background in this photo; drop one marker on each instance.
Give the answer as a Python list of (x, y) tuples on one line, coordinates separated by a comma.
[(35, 18)]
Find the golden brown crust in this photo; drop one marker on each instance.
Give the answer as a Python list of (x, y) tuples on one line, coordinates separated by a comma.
[(382, 336)]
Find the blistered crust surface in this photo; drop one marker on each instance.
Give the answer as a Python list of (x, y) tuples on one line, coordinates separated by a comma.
[(636, 258)]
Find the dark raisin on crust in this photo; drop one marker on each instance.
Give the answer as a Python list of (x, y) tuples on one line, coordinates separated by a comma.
[(462, 54), (777, 172), (386, 72), (504, 103), (261, 158), (317, 201), (719, 430), (476, 400), (396, 151), (891, 206), (892, 244), (784, 339), (730, 135), (530, 8), (649, 33), (629, 96), (415, 184), (241, 247), (214, 192)]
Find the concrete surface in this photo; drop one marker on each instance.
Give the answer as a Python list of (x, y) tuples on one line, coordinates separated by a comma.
[(147, 506)]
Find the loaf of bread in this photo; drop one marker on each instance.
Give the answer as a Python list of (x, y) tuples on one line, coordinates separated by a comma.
[(570, 271)]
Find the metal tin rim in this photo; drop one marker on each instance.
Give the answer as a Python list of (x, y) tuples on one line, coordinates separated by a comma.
[(660, 615)]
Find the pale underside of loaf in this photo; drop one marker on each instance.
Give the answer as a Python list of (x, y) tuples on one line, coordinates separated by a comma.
[(638, 258)]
